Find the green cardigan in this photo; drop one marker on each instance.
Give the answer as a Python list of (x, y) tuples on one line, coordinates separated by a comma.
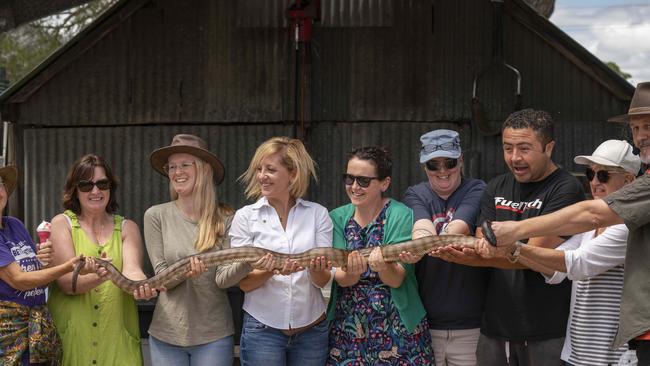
[(397, 228)]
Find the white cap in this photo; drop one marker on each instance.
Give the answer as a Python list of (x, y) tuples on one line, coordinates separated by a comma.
[(614, 153)]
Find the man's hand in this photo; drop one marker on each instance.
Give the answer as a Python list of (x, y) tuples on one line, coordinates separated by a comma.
[(505, 232), (487, 250)]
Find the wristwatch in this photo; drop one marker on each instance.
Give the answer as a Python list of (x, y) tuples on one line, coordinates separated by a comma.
[(513, 257)]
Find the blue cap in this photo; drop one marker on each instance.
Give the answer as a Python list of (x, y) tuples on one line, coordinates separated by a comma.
[(440, 144)]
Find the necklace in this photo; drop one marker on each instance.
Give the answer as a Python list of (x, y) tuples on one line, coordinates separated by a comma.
[(97, 234)]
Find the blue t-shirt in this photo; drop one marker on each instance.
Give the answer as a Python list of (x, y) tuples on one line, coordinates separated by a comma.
[(17, 246), (452, 294)]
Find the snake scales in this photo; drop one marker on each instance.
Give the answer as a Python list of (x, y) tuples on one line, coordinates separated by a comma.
[(175, 273)]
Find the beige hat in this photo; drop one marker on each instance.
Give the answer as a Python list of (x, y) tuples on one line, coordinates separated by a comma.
[(614, 153), (188, 144), (9, 175), (639, 105)]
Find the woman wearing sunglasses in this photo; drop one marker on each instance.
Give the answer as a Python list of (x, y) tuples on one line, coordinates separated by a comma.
[(98, 323), (284, 319), (376, 312), (192, 323), (592, 260)]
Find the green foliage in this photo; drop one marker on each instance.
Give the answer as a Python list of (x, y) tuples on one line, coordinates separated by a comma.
[(23, 48), (612, 65)]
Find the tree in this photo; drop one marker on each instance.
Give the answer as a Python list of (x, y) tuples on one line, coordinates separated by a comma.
[(612, 65), (25, 47)]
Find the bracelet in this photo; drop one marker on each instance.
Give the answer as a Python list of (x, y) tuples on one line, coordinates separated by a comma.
[(514, 256)]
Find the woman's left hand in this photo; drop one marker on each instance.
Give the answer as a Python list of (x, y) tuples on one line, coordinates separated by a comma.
[(290, 267), (145, 292), (197, 268), (376, 260), (44, 252), (320, 264)]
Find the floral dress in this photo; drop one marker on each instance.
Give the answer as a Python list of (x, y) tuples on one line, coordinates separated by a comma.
[(367, 329)]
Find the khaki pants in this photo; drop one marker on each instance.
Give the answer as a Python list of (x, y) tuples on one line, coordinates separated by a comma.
[(455, 347)]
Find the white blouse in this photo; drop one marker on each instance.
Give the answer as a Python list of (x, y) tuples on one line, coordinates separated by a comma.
[(292, 301)]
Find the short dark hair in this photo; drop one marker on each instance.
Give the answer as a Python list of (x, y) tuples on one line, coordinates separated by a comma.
[(83, 169), (379, 157), (539, 121)]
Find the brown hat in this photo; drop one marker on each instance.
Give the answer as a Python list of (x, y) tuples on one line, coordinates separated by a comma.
[(9, 175), (188, 144), (639, 105)]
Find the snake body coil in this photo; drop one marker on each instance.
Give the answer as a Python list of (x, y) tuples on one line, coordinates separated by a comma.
[(176, 273)]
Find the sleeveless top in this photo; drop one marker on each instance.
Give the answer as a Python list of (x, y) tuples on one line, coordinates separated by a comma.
[(99, 327)]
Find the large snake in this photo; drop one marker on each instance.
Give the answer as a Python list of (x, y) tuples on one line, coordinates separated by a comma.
[(176, 273)]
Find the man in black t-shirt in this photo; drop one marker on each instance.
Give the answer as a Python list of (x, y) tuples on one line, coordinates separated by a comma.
[(524, 321)]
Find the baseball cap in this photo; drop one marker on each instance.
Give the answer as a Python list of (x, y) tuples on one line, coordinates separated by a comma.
[(440, 143), (616, 153)]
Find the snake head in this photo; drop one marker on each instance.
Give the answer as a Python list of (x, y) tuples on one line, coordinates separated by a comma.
[(488, 233)]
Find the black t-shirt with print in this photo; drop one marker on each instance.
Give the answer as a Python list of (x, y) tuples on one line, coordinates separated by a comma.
[(520, 305)]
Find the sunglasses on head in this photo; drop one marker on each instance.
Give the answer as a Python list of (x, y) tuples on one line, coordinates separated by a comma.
[(363, 182), (602, 175), (87, 185), (434, 165)]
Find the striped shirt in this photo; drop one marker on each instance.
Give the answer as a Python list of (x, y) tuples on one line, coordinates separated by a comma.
[(595, 264)]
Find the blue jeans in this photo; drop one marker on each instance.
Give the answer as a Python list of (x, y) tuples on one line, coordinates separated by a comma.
[(263, 345), (219, 353)]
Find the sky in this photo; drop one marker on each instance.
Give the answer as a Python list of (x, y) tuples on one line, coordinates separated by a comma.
[(613, 30)]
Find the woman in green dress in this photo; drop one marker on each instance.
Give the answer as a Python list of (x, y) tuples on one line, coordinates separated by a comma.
[(98, 324)]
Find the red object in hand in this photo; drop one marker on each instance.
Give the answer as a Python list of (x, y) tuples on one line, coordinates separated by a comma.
[(43, 231)]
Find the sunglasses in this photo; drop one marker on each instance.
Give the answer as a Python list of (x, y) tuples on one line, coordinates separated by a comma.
[(434, 165), (363, 182), (87, 185), (602, 175)]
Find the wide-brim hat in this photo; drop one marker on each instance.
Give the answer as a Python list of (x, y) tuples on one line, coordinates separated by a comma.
[(9, 175), (188, 144), (639, 105)]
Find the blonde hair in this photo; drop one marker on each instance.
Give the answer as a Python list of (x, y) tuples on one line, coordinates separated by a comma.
[(212, 223), (294, 157)]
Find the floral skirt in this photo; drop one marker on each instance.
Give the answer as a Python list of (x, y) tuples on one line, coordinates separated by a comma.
[(367, 330)]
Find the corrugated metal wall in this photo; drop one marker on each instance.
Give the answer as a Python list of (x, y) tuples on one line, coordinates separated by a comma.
[(383, 72), (181, 62)]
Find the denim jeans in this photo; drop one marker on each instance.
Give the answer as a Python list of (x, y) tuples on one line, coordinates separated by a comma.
[(263, 345), (217, 353)]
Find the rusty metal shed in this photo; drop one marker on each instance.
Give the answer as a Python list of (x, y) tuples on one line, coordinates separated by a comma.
[(377, 71)]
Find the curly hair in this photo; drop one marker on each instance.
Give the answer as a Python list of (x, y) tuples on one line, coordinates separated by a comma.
[(378, 155), (539, 121), (83, 169)]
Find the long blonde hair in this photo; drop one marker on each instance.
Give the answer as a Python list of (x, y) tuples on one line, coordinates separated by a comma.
[(294, 157), (212, 215)]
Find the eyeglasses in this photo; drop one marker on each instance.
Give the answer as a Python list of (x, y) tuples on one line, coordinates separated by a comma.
[(602, 175), (433, 165), (87, 185), (171, 168), (363, 182)]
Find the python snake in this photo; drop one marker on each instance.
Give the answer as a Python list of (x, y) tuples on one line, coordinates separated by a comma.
[(176, 273)]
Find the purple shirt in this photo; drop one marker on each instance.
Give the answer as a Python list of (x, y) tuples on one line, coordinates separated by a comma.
[(17, 246)]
